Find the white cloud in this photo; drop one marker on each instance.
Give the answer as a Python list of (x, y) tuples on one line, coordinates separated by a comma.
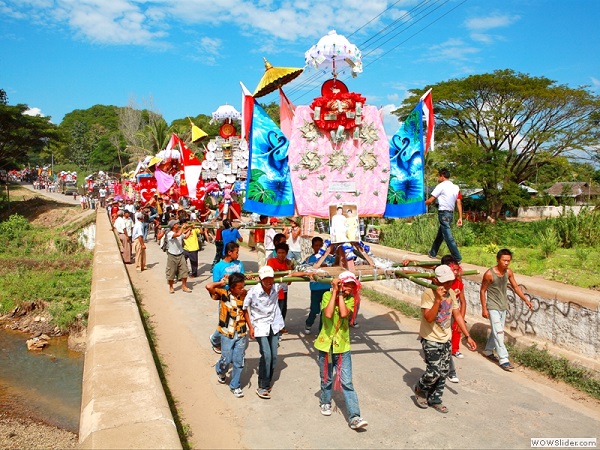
[(479, 25), (208, 50), (390, 121), (452, 50), (145, 22), (490, 22), (34, 112), (595, 83)]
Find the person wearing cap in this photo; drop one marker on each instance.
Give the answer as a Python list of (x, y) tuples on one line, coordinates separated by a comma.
[(264, 321), (176, 265), (438, 306), (139, 247), (333, 344), (232, 326), (494, 305), (294, 240)]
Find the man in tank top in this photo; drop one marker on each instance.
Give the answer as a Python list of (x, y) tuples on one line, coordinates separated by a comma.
[(494, 305)]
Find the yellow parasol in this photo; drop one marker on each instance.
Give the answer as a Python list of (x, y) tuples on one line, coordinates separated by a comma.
[(197, 132), (274, 78)]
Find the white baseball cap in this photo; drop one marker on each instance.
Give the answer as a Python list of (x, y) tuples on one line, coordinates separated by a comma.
[(444, 273), (266, 272)]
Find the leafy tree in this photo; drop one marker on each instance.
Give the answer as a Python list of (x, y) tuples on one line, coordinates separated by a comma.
[(89, 138), (499, 129), (22, 136)]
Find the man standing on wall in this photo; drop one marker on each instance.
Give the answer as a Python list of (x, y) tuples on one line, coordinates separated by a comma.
[(494, 305), (448, 195)]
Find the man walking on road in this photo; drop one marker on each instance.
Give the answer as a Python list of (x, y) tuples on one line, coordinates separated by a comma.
[(264, 321), (438, 306), (494, 305), (176, 265), (139, 247), (448, 195)]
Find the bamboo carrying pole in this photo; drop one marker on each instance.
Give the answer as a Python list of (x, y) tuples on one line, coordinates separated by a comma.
[(414, 277)]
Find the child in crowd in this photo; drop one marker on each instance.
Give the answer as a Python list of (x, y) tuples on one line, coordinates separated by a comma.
[(333, 344), (232, 326)]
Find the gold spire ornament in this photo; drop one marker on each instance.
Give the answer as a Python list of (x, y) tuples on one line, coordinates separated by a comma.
[(274, 78)]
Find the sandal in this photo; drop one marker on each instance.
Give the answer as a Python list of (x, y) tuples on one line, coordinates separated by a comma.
[(440, 408), (420, 398)]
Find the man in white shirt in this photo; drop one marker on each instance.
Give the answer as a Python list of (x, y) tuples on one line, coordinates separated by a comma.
[(264, 321), (176, 265), (102, 195), (137, 236), (121, 227), (448, 195)]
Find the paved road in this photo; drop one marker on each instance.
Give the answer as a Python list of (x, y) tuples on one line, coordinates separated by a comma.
[(489, 408)]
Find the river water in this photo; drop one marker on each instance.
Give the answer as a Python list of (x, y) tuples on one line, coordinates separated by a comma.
[(46, 384)]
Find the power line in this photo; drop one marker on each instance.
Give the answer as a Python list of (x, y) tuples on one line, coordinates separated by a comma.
[(420, 11)]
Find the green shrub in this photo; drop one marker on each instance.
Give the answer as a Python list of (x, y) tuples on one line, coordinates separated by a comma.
[(14, 227), (548, 242)]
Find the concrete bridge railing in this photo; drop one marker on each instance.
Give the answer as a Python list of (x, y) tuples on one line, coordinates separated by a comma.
[(123, 401)]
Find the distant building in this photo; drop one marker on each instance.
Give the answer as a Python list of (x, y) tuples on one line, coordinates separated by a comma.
[(580, 191)]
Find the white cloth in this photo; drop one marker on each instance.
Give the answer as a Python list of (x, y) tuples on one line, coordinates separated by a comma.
[(174, 244), (120, 225), (265, 314), (138, 230), (269, 235), (128, 226), (294, 244), (446, 194)]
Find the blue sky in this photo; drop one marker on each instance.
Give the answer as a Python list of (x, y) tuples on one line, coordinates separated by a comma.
[(187, 57)]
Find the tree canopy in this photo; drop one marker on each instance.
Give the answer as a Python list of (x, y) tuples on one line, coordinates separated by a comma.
[(21, 135), (499, 129)]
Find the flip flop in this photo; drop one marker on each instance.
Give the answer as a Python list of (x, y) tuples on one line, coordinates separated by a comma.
[(440, 408), (420, 398)]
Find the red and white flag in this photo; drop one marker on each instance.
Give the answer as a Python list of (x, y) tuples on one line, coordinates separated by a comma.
[(429, 118), (247, 108), (192, 166), (286, 114)]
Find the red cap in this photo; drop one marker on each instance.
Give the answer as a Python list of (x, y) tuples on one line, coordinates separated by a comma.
[(273, 220)]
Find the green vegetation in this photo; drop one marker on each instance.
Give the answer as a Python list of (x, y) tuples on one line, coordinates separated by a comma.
[(497, 130), (46, 265), (557, 368), (566, 249)]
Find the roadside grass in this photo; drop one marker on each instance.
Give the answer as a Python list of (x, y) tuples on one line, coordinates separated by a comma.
[(566, 249), (555, 367), (47, 264)]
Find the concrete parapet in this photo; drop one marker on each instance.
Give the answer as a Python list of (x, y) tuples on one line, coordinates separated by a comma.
[(566, 318), (123, 401)]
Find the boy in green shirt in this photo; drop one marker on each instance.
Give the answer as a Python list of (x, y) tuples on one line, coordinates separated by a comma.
[(333, 344)]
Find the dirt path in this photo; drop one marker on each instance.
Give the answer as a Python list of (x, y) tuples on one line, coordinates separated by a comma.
[(489, 408)]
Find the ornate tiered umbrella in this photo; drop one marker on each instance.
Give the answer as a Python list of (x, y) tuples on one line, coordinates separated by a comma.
[(334, 53), (274, 78)]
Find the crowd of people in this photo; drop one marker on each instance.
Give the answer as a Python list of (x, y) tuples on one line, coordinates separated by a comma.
[(259, 312)]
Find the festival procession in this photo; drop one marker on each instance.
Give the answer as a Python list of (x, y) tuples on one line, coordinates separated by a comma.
[(303, 192)]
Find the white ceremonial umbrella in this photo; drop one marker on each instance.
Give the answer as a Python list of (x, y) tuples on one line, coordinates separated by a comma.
[(334, 53)]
